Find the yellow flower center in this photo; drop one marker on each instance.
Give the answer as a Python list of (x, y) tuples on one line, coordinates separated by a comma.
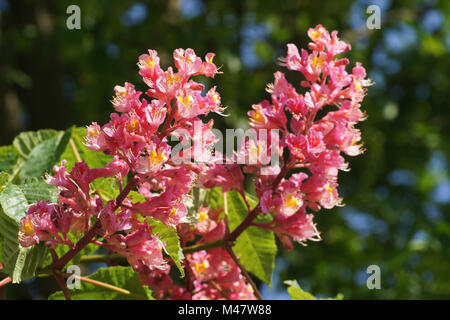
[(316, 34), (133, 125), (149, 63), (173, 212), (172, 79), (357, 86), (28, 228), (329, 188), (201, 267), (202, 215), (258, 117), (156, 158), (92, 132), (185, 100), (291, 201), (317, 61), (255, 149)]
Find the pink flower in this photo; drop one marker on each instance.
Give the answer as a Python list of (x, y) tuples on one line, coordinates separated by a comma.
[(149, 67), (95, 138), (153, 159), (126, 98), (299, 227), (44, 222), (208, 68), (187, 62), (227, 176), (141, 248)]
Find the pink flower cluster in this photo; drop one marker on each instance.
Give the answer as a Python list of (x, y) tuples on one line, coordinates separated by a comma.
[(137, 138), (316, 128), (308, 133)]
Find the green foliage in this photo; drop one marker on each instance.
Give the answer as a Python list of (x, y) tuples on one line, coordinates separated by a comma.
[(21, 263), (255, 247), (122, 277), (8, 158), (43, 155), (170, 237), (297, 293)]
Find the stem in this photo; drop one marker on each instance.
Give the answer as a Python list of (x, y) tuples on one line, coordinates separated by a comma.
[(124, 193), (244, 224), (171, 113), (59, 264), (5, 281), (62, 284), (218, 288), (103, 285), (96, 258), (244, 196), (75, 150), (244, 272), (204, 246), (58, 276), (284, 170)]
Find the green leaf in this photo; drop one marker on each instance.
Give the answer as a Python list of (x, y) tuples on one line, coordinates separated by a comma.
[(122, 277), (25, 142), (76, 150), (21, 263), (107, 188), (8, 158), (44, 155), (296, 293), (33, 153), (13, 202), (170, 237), (4, 178), (255, 247)]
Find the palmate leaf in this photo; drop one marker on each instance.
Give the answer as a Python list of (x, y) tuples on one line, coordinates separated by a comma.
[(170, 237), (121, 277), (21, 263), (44, 155), (255, 247), (297, 293), (34, 152)]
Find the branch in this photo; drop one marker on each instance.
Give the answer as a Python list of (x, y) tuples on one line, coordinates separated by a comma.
[(204, 246), (96, 258), (244, 224), (244, 272), (59, 264), (218, 288), (58, 276), (62, 285)]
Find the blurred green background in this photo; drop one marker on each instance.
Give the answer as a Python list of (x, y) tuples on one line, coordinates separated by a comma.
[(397, 193)]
